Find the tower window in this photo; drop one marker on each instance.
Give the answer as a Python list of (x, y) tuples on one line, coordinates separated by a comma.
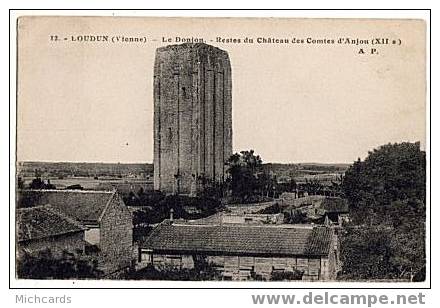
[(184, 94), (170, 134)]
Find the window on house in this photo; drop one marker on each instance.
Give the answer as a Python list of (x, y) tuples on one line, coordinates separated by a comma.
[(91, 249), (145, 257)]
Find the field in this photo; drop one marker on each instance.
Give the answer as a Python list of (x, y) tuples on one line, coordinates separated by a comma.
[(132, 177), (100, 176), (73, 169), (304, 169)]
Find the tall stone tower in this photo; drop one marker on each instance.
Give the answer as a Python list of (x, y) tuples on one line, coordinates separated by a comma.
[(192, 117)]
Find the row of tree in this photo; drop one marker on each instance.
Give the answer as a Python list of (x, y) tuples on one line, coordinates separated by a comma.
[(249, 181)]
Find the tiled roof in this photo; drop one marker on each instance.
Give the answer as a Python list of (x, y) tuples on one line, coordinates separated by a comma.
[(239, 239), (42, 222), (83, 205)]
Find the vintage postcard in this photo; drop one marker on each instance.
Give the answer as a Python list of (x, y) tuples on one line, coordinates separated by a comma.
[(221, 149)]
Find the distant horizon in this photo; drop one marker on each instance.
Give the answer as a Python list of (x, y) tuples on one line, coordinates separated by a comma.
[(264, 162), (151, 163)]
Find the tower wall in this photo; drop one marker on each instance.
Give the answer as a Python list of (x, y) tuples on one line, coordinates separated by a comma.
[(192, 117)]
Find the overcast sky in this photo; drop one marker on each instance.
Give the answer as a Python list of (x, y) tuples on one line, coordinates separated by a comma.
[(291, 103)]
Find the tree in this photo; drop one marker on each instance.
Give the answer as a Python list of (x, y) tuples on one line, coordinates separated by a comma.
[(20, 183), (386, 194), (366, 253), (38, 183), (243, 169), (389, 173), (49, 185), (313, 187)]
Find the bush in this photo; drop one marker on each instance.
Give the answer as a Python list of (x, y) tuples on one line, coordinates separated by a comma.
[(45, 266), (286, 275), (198, 273), (273, 209)]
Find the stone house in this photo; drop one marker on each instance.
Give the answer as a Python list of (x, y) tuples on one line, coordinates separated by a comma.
[(336, 210), (108, 222), (319, 209), (252, 218), (43, 228), (233, 218), (243, 252)]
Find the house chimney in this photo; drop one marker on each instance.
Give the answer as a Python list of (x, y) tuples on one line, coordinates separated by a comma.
[(171, 216)]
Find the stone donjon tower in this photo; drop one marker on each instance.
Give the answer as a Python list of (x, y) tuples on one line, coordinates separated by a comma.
[(192, 117)]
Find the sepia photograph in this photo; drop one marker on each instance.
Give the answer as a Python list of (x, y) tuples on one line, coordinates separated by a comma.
[(232, 149)]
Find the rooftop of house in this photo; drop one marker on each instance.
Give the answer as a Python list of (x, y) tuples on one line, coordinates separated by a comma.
[(82, 205), (220, 217), (44, 221), (237, 239), (328, 204)]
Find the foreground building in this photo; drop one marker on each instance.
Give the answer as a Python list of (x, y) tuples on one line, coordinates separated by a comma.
[(243, 252), (108, 222), (192, 117), (43, 228)]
